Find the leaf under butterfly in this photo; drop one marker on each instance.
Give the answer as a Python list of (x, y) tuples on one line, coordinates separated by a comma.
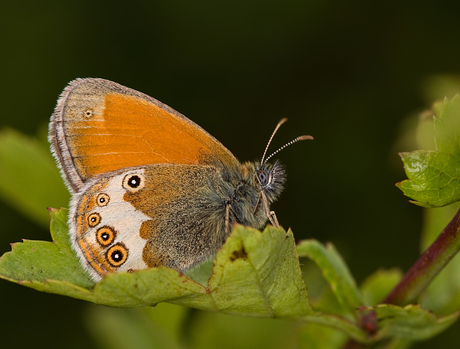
[(254, 273)]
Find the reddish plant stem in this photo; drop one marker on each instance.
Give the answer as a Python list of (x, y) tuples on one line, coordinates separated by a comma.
[(427, 267)]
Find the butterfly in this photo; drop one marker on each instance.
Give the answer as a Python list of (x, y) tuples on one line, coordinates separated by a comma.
[(150, 187)]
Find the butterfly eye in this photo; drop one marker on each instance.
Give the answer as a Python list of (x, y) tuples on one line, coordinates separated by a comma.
[(94, 219), (105, 235), (133, 182), (263, 177), (102, 199), (117, 255)]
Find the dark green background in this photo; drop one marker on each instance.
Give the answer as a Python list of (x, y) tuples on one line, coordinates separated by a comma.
[(347, 73)]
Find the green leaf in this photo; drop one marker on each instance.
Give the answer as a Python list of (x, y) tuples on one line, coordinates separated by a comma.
[(410, 322), (335, 272), (255, 273), (434, 175), (320, 294), (264, 269), (378, 285), (29, 179), (201, 273), (35, 263)]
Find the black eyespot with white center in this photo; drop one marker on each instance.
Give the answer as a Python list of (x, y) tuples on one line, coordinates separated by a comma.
[(105, 235), (94, 219), (117, 255), (133, 182), (102, 199)]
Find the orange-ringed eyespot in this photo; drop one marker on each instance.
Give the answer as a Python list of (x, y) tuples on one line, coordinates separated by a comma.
[(105, 235), (102, 199), (117, 254), (94, 219), (133, 182)]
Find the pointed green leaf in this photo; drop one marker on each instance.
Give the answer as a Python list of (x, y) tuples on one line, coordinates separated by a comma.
[(263, 267), (32, 263), (254, 273), (434, 175), (335, 272)]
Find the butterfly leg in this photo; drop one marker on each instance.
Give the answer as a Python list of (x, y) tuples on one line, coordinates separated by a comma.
[(227, 219), (273, 215), (256, 206), (229, 211), (270, 214)]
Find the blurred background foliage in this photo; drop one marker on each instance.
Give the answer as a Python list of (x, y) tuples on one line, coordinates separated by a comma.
[(349, 73)]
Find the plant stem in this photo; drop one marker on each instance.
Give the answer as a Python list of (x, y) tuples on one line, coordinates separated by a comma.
[(428, 266)]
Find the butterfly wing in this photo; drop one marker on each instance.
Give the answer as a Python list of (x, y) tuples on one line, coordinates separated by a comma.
[(104, 228), (100, 126), (146, 217)]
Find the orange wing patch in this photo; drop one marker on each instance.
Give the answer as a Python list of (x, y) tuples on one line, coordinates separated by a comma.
[(132, 132), (112, 127)]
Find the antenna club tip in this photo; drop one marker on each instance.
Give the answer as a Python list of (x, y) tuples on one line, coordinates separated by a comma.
[(303, 138), (282, 121)]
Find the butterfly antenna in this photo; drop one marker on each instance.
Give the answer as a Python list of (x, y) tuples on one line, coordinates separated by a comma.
[(282, 121), (295, 140)]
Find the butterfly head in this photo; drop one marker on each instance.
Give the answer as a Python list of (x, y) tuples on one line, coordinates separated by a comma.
[(271, 178), (262, 183)]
